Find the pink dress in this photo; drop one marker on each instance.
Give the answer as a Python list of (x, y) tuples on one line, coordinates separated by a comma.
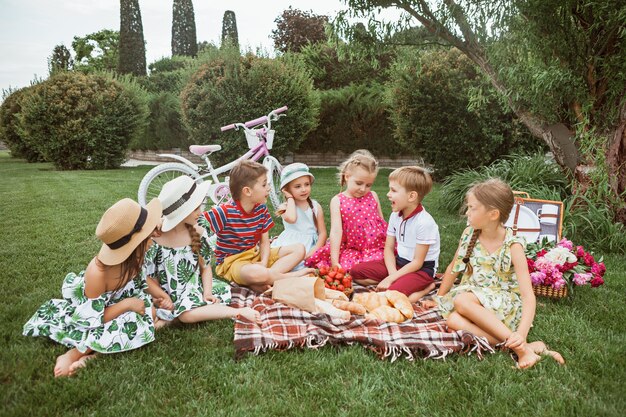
[(363, 237)]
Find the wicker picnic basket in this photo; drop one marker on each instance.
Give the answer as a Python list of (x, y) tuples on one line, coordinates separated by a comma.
[(549, 291)]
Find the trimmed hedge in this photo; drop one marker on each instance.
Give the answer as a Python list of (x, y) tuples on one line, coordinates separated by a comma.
[(9, 111), (80, 121), (165, 127)]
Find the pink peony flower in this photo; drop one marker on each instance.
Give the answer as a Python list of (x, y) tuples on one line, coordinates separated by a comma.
[(541, 253), (567, 244), (531, 265), (598, 269), (581, 279), (597, 281), (537, 278), (580, 251), (588, 259), (559, 283)]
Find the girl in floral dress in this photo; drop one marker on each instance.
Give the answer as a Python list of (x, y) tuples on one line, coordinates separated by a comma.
[(178, 265), (104, 308), (357, 228), (495, 297)]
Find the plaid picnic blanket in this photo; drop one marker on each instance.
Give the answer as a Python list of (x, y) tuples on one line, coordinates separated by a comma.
[(283, 327)]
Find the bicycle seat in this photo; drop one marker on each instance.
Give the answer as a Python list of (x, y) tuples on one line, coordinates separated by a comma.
[(203, 149)]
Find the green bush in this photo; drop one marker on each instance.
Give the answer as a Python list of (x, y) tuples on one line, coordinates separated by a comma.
[(535, 174), (9, 111), (80, 121), (351, 118), (168, 74), (444, 110), (165, 127), (230, 89)]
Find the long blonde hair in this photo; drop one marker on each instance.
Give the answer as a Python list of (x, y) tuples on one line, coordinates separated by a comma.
[(493, 194), (359, 158)]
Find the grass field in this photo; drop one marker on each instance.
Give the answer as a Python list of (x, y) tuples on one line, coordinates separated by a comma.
[(47, 223)]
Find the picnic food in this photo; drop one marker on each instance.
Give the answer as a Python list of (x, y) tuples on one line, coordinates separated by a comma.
[(336, 278), (335, 295), (327, 308), (401, 302), (386, 313), (350, 306), (371, 300)]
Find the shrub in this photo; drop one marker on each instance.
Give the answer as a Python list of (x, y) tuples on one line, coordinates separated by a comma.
[(168, 75), (351, 118), (80, 121), (9, 111), (444, 110), (230, 89), (165, 127)]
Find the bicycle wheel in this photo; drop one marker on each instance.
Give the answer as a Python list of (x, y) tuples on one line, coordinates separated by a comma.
[(273, 177), (151, 184)]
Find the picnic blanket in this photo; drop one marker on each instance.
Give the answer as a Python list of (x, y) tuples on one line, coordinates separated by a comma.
[(283, 327)]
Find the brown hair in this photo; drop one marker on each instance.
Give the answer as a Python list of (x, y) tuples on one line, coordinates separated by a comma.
[(359, 158), (196, 243), (131, 266), (244, 174), (413, 178), (493, 194)]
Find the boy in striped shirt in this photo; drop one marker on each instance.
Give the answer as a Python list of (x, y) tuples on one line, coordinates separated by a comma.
[(242, 251)]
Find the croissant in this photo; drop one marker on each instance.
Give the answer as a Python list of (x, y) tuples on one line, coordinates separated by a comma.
[(335, 295), (350, 306), (400, 302), (370, 300), (387, 313), (327, 308)]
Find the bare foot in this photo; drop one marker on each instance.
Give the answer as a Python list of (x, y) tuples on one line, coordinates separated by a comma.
[(526, 357), (540, 348), (160, 323), (63, 364), (81, 363), (416, 296), (250, 314), (301, 272)]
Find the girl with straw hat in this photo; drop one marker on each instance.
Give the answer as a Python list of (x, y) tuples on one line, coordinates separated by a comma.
[(178, 265), (104, 308)]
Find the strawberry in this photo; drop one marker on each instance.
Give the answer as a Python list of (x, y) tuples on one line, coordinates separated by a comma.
[(332, 274), (329, 280), (323, 270), (340, 287)]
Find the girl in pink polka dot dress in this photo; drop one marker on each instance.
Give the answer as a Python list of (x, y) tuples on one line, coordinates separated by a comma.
[(357, 227)]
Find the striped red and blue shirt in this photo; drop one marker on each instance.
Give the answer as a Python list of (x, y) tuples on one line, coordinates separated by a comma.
[(236, 230)]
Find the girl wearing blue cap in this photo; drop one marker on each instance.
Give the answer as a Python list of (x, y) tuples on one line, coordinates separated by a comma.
[(303, 218)]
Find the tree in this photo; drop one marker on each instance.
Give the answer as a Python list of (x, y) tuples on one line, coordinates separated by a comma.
[(60, 60), (230, 37), (132, 47), (184, 29), (567, 53), (296, 29), (97, 51)]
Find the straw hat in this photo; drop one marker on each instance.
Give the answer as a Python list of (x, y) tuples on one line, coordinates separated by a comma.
[(293, 171), (123, 227), (180, 197)]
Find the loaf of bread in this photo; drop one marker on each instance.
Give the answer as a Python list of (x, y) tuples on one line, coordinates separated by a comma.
[(370, 300), (327, 308), (335, 295), (386, 313), (353, 308), (400, 302)]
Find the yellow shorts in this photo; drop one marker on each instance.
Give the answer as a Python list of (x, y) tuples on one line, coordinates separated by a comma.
[(230, 269)]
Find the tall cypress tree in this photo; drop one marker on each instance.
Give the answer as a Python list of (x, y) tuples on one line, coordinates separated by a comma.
[(132, 46), (60, 60), (184, 29), (230, 37)]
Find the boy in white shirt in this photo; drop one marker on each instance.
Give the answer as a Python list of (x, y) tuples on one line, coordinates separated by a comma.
[(412, 245)]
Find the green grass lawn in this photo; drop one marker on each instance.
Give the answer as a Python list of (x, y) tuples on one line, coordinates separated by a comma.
[(47, 225)]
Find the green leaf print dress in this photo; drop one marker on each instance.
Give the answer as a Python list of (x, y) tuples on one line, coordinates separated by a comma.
[(493, 280), (177, 271), (78, 321)]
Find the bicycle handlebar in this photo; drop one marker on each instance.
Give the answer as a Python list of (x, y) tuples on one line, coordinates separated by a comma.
[(254, 122)]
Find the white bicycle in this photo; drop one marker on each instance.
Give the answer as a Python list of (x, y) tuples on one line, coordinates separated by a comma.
[(260, 137)]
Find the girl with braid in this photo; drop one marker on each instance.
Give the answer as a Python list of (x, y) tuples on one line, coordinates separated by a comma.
[(178, 267), (495, 298)]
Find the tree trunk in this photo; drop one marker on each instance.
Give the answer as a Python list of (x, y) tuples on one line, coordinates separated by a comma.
[(616, 161)]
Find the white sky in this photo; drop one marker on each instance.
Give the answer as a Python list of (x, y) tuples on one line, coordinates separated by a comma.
[(30, 29)]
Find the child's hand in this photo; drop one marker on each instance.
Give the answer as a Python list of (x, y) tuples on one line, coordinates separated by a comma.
[(164, 303), (429, 304), (137, 305), (287, 194), (514, 341), (384, 284), (210, 298)]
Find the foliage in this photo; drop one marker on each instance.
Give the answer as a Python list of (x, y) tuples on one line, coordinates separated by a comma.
[(231, 89), (184, 29), (80, 121), (535, 174), (60, 60), (442, 104), (169, 74), (230, 36), (132, 48), (9, 112), (98, 51), (165, 127), (353, 117), (296, 28)]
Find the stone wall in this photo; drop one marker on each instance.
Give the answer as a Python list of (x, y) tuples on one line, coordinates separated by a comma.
[(311, 159)]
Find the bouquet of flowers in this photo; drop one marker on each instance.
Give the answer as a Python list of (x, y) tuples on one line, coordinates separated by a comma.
[(562, 264)]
